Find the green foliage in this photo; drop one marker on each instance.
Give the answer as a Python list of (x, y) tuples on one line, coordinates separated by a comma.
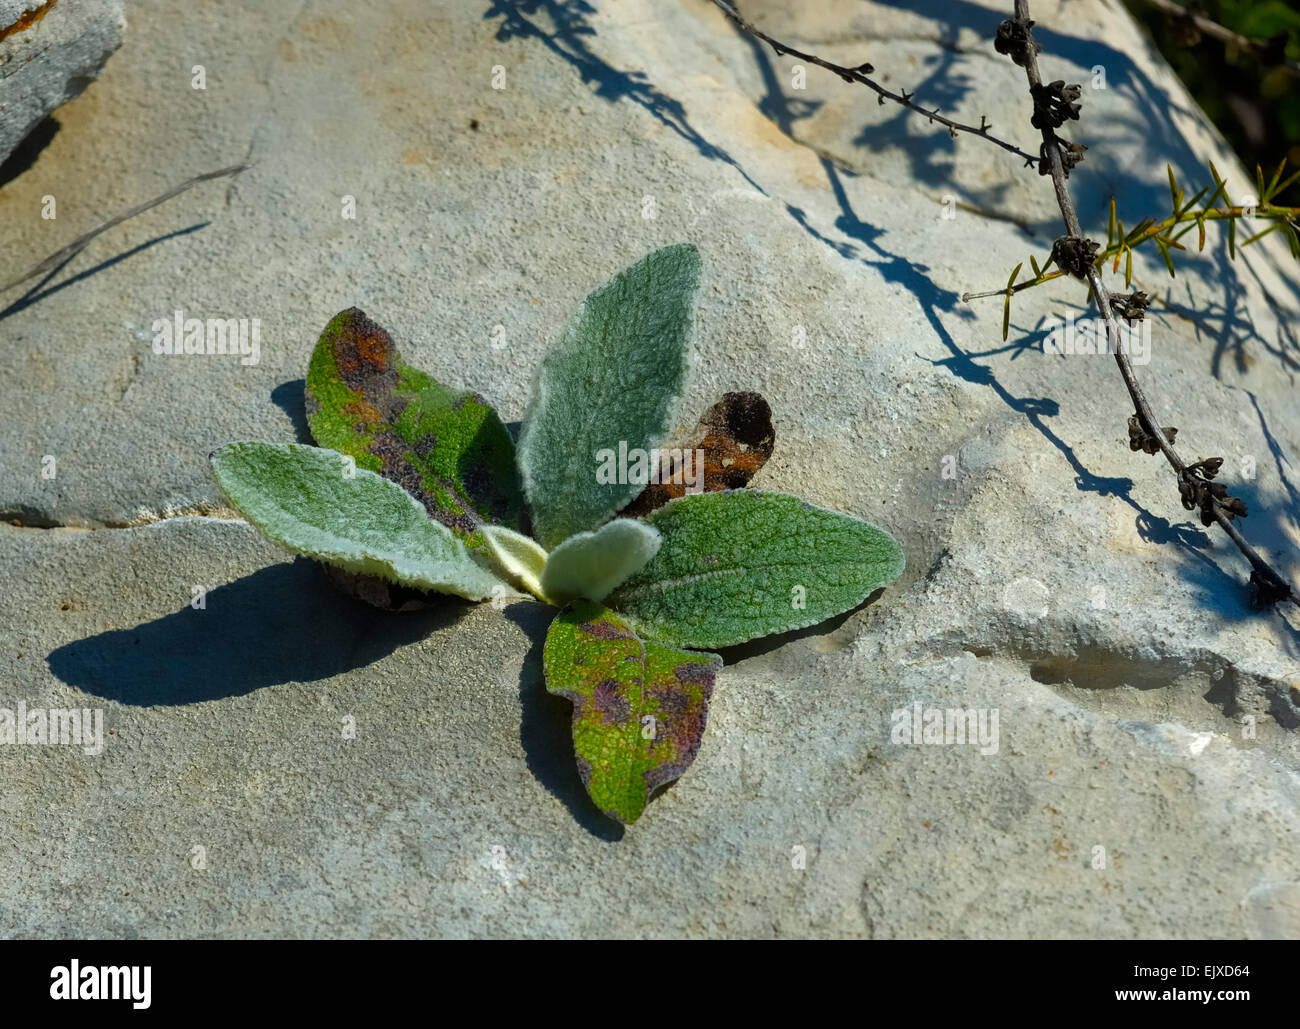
[(316, 502), (1187, 214), (741, 564), (639, 707), (420, 487), (591, 564), (613, 379), (446, 447)]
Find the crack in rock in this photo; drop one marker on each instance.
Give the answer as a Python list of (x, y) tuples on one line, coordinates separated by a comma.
[(24, 517)]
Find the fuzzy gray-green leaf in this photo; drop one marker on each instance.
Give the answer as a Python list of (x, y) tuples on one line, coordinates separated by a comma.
[(317, 502), (741, 564), (613, 380)]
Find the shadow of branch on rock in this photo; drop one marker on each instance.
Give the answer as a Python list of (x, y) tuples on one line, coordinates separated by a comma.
[(561, 26), (38, 292)]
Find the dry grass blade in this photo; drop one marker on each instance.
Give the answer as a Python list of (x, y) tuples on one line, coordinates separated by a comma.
[(59, 257)]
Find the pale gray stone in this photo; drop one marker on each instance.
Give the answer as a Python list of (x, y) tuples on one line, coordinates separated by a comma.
[(1146, 778), (49, 53)]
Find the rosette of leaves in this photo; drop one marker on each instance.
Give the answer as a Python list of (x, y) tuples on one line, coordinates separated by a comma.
[(421, 485)]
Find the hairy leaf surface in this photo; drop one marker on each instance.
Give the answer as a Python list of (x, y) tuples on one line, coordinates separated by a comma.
[(741, 564), (518, 557), (612, 380), (590, 564), (316, 502)]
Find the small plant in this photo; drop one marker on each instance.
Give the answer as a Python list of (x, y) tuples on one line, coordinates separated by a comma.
[(423, 486), (1187, 215)]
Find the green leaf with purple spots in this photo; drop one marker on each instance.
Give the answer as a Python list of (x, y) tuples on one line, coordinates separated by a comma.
[(740, 564), (445, 447), (639, 707)]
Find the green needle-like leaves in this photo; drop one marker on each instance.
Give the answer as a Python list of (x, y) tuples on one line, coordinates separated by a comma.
[(613, 380), (639, 708), (591, 564), (742, 564), (318, 503), (445, 447)]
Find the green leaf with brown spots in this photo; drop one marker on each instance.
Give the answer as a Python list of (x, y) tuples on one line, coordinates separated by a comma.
[(445, 447), (639, 707)]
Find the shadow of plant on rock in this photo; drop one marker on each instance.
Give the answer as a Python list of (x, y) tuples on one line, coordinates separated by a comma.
[(289, 397), (546, 729), (283, 624)]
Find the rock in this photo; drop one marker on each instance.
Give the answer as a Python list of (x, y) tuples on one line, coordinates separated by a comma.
[(1146, 747), (49, 53), (1272, 911)]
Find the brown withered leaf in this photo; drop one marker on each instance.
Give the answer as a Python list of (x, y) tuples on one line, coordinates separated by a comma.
[(737, 438)]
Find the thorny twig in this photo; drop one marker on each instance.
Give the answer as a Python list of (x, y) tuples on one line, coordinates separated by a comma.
[(1055, 104), (1120, 244), (860, 75), (59, 257), (1268, 586)]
